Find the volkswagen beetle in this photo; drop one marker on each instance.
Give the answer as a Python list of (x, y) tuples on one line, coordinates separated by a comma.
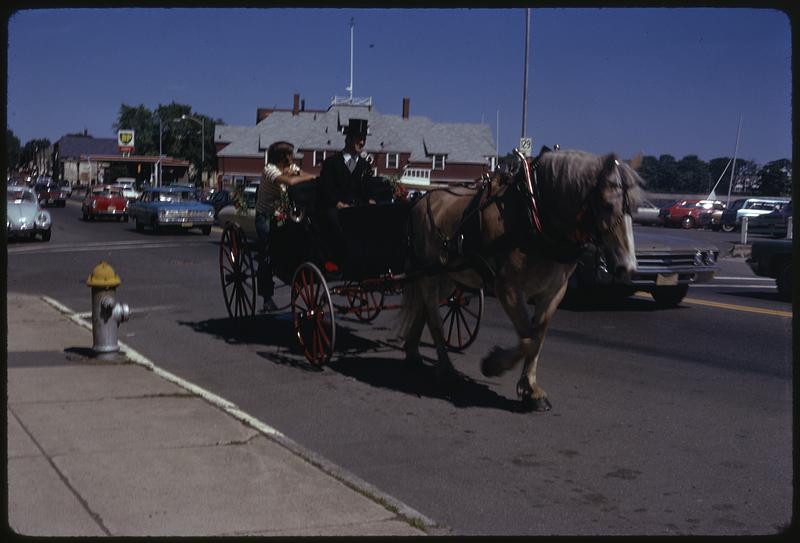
[(24, 216)]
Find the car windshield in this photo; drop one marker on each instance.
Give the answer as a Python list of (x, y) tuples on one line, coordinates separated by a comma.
[(177, 196), (762, 206), (20, 196), (106, 192)]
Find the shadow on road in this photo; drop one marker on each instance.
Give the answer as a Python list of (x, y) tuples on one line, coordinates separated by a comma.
[(354, 357)]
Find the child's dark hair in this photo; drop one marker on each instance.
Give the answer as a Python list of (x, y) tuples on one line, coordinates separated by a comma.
[(278, 151)]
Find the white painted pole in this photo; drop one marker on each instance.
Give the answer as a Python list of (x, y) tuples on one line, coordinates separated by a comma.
[(351, 60), (735, 152), (745, 220), (789, 234)]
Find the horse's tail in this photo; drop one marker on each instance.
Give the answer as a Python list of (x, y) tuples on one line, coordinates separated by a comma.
[(411, 305)]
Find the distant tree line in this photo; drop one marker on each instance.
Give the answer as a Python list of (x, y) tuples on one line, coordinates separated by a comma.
[(690, 175)]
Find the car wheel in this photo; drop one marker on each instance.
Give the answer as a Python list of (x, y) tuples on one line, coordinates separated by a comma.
[(46, 235), (139, 225), (154, 224), (687, 222), (206, 230), (125, 218), (728, 228), (669, 296), (85, 216), (784, 282)]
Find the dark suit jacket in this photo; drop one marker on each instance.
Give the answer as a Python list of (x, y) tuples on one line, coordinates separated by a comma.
[(337, 184)]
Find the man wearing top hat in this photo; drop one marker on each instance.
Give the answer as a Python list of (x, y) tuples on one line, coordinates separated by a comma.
[(342, 181)]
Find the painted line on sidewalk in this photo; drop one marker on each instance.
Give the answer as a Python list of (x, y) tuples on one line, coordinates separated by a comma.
[(409, 514)]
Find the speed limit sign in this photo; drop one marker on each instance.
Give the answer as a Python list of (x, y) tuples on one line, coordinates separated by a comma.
[(525, 146)]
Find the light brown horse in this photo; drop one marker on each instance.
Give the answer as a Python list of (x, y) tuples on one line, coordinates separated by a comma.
[(519, 237)]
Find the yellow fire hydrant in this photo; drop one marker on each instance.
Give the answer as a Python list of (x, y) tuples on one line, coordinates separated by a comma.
[(107, 314)]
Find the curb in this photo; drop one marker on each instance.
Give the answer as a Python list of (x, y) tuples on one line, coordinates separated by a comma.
[(406, 513)]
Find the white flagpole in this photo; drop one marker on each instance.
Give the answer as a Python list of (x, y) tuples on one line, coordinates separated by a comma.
[(735, 152)]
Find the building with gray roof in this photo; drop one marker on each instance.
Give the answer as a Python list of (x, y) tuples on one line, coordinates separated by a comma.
[(451, 152)]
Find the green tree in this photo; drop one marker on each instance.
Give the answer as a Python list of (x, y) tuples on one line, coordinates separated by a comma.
[(29, 150), (692, 175), (13, 150), (667, 173), (775, 178), (648, 171)]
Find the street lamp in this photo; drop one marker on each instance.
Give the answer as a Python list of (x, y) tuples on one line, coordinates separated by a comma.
[(202, 124)]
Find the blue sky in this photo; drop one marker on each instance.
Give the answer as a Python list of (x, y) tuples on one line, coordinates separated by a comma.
[(657, 81)]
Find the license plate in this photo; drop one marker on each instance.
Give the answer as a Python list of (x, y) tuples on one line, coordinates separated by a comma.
[(112, 209), (666, 279), (187, 224)]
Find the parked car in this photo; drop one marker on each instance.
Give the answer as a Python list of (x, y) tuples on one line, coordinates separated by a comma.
[(24, 216), (748, 207), (66, 187), (688, 213), (48, 192), (246, 218), (173, 205), (646, 213), (773, 258), (666, 266), (128, 187), (773, 224), (105, 201), (220, 199)]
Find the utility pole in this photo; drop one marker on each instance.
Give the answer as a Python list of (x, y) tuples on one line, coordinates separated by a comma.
[(525, 82)]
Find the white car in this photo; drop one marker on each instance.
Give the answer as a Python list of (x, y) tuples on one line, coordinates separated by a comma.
[(24, 216), (128, 186)]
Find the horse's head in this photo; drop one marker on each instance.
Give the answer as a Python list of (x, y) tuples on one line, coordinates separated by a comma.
[(608, 212)]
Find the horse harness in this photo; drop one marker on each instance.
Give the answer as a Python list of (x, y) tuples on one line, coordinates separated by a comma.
[(534, 239)]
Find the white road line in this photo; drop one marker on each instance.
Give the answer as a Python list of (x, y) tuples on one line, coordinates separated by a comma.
[(51, 250)]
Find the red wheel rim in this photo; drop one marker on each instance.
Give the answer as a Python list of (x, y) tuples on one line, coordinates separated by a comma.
[(312, 315), (461, 317), (365, 304), (237, 274)]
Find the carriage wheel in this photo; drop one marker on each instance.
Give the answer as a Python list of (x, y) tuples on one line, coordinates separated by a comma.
[(312, 314), (237, 272), (365, 304), (461, 316)]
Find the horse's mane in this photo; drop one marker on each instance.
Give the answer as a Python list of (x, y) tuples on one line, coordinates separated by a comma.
[(568, 174)]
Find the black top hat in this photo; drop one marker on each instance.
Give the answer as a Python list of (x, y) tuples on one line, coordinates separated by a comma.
[(356, 127)]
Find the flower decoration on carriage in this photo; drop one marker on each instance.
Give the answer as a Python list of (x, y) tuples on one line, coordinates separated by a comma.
[(239, 201), (283, 207), (399, 192)]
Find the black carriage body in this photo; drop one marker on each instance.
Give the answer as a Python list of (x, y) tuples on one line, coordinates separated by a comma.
[(376, 235)]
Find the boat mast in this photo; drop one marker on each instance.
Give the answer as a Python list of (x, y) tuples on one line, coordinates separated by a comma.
[(733, 169)]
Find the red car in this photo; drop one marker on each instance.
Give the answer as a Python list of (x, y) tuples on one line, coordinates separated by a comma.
[(105, 201), (690, 213)]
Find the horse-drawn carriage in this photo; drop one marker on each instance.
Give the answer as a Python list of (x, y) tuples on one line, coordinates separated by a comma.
[(520, 233), (376, 239)]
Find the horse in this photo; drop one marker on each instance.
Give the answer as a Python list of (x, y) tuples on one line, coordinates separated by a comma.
[(519, 236)]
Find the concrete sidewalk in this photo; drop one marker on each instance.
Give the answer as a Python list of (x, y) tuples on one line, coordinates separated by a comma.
[(119, 449)]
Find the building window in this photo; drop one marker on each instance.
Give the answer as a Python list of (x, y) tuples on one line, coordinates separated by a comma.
[(392, 160), (438, 162), (319, 157)]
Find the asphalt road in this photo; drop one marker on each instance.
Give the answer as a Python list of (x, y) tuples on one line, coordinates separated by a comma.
[(674, 421)]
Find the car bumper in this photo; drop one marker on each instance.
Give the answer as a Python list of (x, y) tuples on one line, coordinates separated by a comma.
[(185, 221), (17, 231), (647, 279)]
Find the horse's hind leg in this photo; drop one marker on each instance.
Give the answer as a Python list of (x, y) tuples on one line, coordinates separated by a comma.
[(431, 292), (412, 337)]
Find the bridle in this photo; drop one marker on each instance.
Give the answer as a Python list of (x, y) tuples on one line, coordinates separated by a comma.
[(587, 227)]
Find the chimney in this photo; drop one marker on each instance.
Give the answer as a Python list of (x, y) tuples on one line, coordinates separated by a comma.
[(296, 106), (302, 105), (406, 107)]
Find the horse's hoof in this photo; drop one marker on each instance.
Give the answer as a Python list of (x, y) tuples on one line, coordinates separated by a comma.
[(530, 403), (490, 365)]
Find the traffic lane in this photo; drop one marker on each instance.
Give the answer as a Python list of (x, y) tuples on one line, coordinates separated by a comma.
[(726, 336)]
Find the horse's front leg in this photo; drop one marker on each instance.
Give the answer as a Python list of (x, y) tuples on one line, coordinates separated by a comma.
[(528, 389), (498, 361)]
